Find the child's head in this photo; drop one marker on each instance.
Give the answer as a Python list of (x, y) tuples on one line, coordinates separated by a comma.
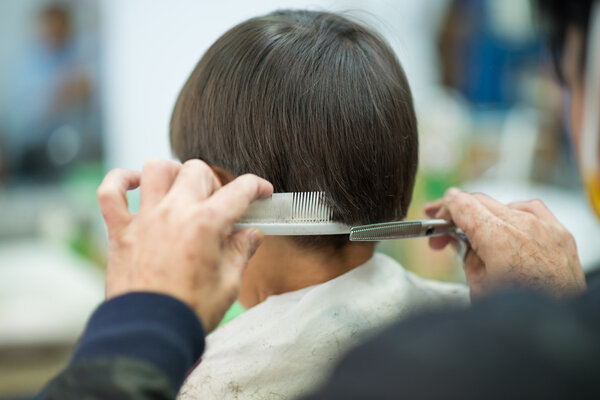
[(310, 101)]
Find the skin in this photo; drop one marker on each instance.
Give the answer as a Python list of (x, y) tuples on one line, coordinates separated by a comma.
[(180, 243), (281, 266), (521, 243)]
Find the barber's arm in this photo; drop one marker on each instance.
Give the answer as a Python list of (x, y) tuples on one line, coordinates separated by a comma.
[(520, 244), (174, 269)]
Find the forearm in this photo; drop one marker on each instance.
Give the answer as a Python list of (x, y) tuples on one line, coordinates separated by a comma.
[(136, 346), (114, 378)]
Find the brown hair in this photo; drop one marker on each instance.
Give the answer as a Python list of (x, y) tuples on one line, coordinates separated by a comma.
[(310, 101)]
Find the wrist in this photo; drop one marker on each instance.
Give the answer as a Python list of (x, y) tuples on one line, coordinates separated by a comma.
[(151, 327)]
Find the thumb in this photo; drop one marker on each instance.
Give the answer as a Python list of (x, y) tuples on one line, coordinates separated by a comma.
[(475, 273), (241, 246)]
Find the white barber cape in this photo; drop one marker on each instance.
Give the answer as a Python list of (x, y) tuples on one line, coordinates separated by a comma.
[(287, 345)]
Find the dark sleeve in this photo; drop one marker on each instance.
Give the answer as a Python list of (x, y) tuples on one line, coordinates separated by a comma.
[(514, 345), (136, 346)]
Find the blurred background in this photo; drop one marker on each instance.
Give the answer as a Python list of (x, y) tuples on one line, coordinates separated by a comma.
[(89, 85)]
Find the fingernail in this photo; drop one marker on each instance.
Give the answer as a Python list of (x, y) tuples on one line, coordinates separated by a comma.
[(452, 192), (256, 238)]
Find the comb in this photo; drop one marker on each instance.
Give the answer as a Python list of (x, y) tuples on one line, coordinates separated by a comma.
[(296, 213), (309, 213), (402, 230), (413, 229)]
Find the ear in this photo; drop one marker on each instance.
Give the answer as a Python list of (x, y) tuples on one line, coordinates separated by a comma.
[(222, 175)]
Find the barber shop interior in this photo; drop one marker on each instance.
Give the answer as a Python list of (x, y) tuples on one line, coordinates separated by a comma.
[(422, 158)]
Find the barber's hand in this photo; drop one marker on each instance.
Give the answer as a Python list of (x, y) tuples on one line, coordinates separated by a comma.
[(520, 244), (180, 243)]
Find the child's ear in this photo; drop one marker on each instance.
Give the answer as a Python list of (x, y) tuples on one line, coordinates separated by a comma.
[(222, 175)]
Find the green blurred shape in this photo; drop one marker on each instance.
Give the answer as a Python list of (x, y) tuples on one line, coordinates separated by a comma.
[(234, 311)]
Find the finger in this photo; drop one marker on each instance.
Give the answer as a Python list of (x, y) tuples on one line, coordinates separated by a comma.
[(195, 181), (513, 215), (477, 222), (233, 199), (240, 247), (157, 178), (494, 206), (112, 197), (432, 208), (439, 242), (475, 273), (222, 175), (497, 208), (535, 207), (441, 212)]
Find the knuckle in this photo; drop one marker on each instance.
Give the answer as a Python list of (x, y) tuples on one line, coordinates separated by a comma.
[(113, 174), (473, 226), (104, 193), (196, 163), (250, 181), (247, 185), (117, 171), (206, 228), (478, 195), (457, 205), (209, 212), (530, 222), (199, 168), (462, 198), (205, 217), (249, 176), (537, 204), (163, 212), (461, 201), (240, 246), (154, 163)]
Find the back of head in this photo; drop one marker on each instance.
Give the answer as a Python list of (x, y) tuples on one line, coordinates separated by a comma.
[(311, 101)]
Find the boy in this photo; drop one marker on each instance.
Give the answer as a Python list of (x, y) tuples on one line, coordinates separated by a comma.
[(311, 101)]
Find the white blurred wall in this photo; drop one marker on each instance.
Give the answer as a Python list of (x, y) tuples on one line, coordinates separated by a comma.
[(150, 47)]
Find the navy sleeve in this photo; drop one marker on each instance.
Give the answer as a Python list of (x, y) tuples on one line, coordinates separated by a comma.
[(150, 327)]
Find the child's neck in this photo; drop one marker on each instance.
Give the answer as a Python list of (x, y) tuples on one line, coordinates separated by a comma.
[(281, 266)]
